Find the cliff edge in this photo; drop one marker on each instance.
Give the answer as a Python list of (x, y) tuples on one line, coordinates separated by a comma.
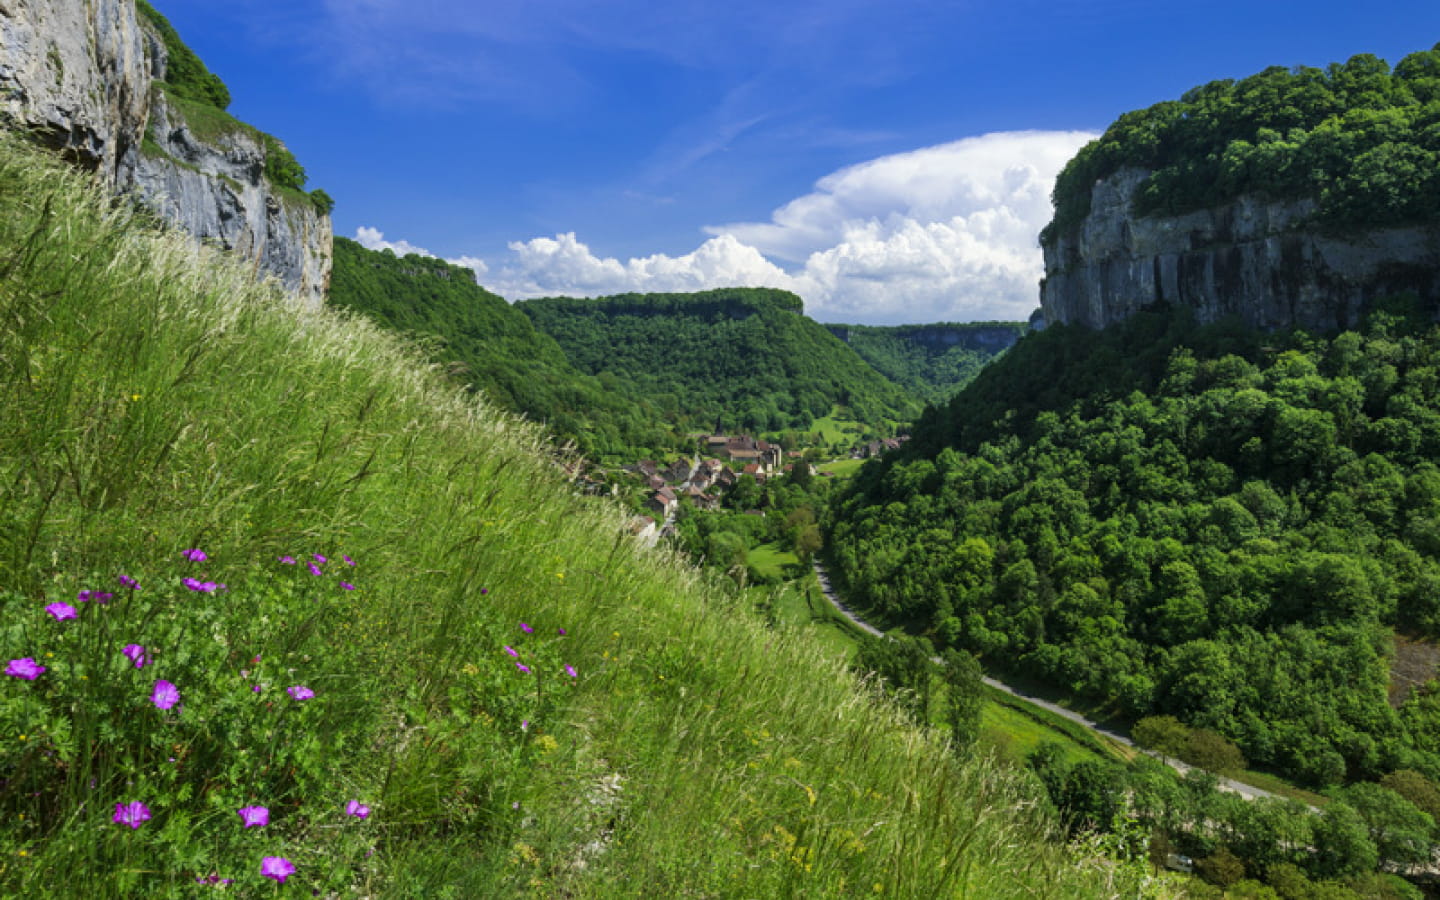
[(90, 80), (1267, 262)]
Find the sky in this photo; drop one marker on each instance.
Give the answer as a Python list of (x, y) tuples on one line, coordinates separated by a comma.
[(889, 162)]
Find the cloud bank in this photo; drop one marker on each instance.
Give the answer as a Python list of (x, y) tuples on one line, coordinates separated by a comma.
[(944, 233)]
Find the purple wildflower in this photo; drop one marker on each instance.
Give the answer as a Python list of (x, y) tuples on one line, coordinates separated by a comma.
[(61, 611), (129, 582), (300, 692), (348, 560), (511, 650), (522, 667), (255, 689), (287, 560), (484, 591), (26, 668), (97, 596), (319, 559), (357, 809), (562, 631), (195, 555), (314, 569), (277, 867), (136, 654), (131, 814), (347, 585), (570, 670), (203, 587), (525, 628), (254, 816), (165, 695)]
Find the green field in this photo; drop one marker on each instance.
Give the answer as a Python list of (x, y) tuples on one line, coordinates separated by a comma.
[(841, 468)]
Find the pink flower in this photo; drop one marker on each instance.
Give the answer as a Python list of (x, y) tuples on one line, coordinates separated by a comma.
[(511, 650), (97, 596), (254, 816), (136, 654), (561, 631), (131, 814), (348, 560), (129, 582), (570, 670), (26, 668), (287, 560), (61, 611), (300, 692), (525, 628), (347, 585), (314, 569), (203, 587), (165, 695), (522, 667), (277, 867), (357, 809), (195, 555)]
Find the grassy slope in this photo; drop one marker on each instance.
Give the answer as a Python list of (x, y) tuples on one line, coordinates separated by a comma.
[(154, 402)]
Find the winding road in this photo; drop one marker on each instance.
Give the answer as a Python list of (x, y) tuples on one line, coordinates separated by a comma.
[(1250, 792)]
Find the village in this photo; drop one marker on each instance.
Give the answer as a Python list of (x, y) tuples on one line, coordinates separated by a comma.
[(719, 464)]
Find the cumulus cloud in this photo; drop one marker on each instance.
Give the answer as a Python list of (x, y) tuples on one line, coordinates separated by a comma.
[(374, 239), (945, 233)]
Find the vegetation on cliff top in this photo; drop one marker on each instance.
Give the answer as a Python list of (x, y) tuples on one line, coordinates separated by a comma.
[(1360, 139), (745, 358), (518, 699), (202, 99)]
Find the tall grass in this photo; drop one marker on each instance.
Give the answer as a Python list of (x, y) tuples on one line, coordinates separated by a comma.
[(155, 400)]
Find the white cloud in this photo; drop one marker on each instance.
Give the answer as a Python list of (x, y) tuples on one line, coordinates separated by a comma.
[(944, 233), (374, 239), (564, 265)]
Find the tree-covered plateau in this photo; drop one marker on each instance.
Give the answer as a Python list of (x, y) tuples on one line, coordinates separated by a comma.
[(740, 359), (1361, 139), (1225, 526)]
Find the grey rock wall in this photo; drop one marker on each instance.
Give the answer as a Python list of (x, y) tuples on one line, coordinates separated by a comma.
[(1265, 262), (81, 75)]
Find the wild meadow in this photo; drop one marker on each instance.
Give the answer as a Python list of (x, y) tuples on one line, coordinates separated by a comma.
[(287, 611)]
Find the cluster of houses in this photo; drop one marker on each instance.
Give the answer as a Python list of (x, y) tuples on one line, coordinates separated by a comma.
[(701, 480)]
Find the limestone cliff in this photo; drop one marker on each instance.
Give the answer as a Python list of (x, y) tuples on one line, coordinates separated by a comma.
[(1263, 261), (85, 78)]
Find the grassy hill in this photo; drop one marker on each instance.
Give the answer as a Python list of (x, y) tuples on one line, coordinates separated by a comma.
[(746, 357), (524, 702)]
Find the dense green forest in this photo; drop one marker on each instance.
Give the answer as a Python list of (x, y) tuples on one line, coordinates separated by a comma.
[(496, 349), (1225, 526), (931, 362), (1361, 139), (746, 358)]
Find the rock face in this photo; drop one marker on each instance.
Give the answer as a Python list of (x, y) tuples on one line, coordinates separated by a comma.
[(82, 76), (1263, 261)]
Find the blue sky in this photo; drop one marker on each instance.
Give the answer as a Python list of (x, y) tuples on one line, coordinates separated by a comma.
[(891, 162)]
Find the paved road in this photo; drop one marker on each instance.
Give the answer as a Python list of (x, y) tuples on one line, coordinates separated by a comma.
[(1250, 792)]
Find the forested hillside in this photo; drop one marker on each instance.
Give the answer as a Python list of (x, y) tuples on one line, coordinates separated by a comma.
[(745, 357), (497, 349), (1359, 138), (1225, 526), (931, 362)]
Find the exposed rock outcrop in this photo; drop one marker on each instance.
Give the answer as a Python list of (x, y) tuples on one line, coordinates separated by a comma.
[(83, 77), (1266, 262)]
